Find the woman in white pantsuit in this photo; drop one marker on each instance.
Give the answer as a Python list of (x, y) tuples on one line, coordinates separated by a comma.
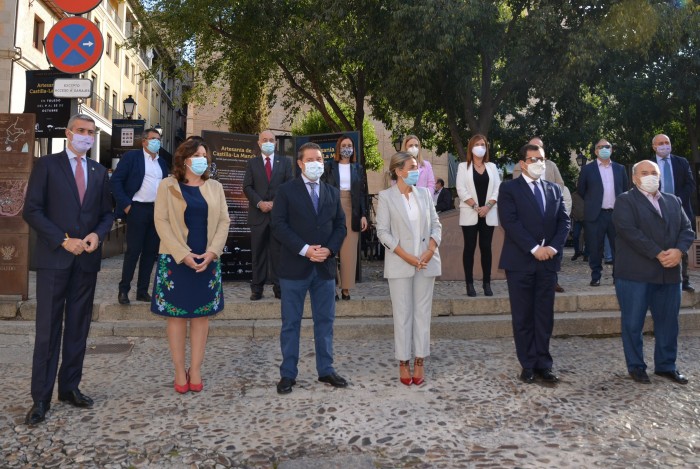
[(409, 228)]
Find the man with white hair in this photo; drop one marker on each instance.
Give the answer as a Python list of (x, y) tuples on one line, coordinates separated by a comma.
[(652, 232)]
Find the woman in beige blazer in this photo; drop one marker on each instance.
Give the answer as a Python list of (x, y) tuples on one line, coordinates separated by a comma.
[(191, 217), (477, 188), (409, 228)]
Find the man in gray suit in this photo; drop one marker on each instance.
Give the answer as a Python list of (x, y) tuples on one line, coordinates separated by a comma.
[(653, 232), (263, 175)]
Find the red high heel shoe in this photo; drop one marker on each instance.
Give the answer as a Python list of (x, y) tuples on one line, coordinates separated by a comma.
[(183, 389), (418, 363), (194, 387), (405, 364)]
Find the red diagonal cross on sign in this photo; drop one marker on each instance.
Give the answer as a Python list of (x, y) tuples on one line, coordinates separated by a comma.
[(74, 45)]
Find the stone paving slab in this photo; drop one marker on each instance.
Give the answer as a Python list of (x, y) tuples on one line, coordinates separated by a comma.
[(473, 412)]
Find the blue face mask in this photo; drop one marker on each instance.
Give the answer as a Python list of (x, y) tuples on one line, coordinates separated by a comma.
[(267, 148), (154, 145), (604, 153), (199, 165), (412, 177)]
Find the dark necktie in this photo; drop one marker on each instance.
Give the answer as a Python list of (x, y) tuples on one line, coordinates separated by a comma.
[(668, 176), (268, 168), (80, 178), (538, 196), (313, 194)]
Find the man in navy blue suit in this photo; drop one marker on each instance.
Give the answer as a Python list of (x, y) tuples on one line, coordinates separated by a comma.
[(531, 211), (309, 223), (678, 181), (599, 184), (69, 206), (134, 185)]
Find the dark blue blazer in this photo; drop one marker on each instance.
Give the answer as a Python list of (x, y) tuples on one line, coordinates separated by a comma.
[(257, 188), (358, 189), (683, 183), (525, 226), (295, 223), (52, 208), (128, 178), (590, 187), (641, 234)]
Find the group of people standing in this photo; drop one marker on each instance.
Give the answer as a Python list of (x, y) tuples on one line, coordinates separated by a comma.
[(178, 220)]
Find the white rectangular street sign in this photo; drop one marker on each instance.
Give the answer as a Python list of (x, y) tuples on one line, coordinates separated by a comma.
[(127, 137), (72, 88)]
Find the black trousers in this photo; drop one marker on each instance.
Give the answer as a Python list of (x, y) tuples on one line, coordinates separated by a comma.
[(142, 243), (485, 234), (64, 295), (265, 251), (594, 233)]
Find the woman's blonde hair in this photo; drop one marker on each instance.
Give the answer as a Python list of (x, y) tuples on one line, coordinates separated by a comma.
[(404, 147), (398, 160)]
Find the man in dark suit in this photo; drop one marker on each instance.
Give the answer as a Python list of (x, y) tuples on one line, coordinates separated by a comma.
[(653, 232), (679, 181), (134, 186), (531, 211), (442, 197), (309, 222), (263, 176), (69, 205), (599, 184)]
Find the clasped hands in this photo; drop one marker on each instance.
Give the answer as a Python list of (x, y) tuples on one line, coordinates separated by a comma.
[(317, 253), (670, 257), (422, 261), (265, 206), (77, 246), (190, 261), (544, 253)]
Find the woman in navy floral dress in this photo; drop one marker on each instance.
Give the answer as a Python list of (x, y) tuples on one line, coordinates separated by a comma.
[(191, 217)]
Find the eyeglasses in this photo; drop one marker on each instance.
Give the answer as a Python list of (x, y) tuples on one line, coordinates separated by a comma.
[(532, 159), (602, 146)]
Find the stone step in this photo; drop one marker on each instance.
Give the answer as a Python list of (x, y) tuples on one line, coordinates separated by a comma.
[(361, 307), (588, 323)]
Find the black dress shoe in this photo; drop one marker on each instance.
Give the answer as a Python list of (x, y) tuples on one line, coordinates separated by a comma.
[(575, 256), (487, 289), (143, 297), (609, 262), (123, 298), (674, 375), (334, 380), (37, 413), (254, 296), (595, 283), (277, 292), (547, 375), (687, 287), (344, 296), (639, 375), (285, 385), (527, 376), (470, 290), (76, 398)]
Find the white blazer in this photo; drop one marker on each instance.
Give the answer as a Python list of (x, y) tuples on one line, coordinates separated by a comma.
[(466, 190), (394, 229)]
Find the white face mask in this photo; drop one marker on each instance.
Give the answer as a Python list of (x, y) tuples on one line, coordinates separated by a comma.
[(535, 170), (479, 152), (663, 150), (413, 151), (313, 170), (649, 183)]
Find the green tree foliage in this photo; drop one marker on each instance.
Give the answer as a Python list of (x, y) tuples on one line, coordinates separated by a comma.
[(314, 123)]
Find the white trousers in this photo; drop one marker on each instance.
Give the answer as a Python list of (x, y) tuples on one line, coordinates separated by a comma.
[(411, 302)]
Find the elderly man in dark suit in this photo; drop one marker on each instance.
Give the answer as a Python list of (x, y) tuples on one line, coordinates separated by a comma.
[(531, 211), (134, 186), (653, 232), (676, 178), (309, 222), (263, 176), (69, 205), (599, 184)]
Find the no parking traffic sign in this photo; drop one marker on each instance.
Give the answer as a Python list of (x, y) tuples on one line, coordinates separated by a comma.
[(74, 45), (77, 7)]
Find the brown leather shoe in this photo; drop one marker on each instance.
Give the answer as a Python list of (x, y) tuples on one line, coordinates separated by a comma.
[(558, 288)]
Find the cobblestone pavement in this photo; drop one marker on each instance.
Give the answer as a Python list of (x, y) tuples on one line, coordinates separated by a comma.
[(473, 412)]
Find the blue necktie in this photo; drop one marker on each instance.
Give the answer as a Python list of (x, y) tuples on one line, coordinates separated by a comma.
[(668, 176), (314, 195), (538, 196)]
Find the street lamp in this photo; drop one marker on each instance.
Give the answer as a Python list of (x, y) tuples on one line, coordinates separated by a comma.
[(580, 159), (129, 107), (159, 129), (397, 142)]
